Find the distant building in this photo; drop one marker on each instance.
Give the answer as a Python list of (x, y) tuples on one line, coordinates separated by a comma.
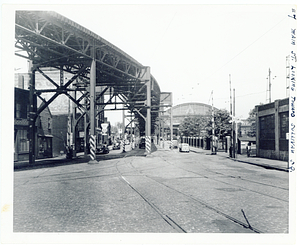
[(21, 126), (59, 115), (60, 133), (245, 131), (184, 110), (179, 113), (244, 127), (44, 134), (60, 104), (272, 130), (60, 128)]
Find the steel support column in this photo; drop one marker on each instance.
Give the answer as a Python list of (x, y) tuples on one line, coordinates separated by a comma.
[(123, 129), (92, 111), (148, 121), (32, 114), (85, 132), (74, 111)]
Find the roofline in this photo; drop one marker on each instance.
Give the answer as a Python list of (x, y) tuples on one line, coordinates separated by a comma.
[(190, 103)]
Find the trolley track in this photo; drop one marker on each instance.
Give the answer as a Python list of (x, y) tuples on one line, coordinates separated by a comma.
[(198, 201), (76, 175), (248, 180), (154, 186), (230, 176)]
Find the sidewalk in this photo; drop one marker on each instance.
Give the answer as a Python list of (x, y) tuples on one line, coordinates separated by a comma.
[(263, 162), (62, 160)]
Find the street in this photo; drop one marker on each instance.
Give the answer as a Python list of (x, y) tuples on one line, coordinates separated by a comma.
[(164, 192)]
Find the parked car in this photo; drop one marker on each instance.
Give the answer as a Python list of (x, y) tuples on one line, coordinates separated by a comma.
[(116, 146), (175, 144), (184, 147), (102, 149)]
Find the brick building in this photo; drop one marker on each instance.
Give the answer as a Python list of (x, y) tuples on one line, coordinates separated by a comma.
[(43, 128), (272, 130)]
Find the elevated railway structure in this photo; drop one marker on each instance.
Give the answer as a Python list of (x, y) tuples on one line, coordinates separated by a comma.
[(98, 68)]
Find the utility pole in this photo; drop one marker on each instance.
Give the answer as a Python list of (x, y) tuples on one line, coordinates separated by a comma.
[(234, 127), (230, 95), (171, 127), (231, 148), (171, 122), (269, 85), (213, 148)]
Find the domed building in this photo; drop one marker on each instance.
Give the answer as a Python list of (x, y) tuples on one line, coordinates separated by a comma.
[(181, 111)]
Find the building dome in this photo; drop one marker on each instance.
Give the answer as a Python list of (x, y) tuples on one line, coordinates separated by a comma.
[(189, 109)]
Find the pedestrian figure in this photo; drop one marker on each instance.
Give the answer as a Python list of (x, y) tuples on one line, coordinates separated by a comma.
[(69, 152), (248, 149), (230, 151)]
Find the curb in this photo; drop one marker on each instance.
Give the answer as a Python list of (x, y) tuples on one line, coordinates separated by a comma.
[(267, 166), (261, 165)]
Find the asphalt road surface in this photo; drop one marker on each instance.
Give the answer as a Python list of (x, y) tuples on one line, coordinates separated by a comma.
[(165, 192)]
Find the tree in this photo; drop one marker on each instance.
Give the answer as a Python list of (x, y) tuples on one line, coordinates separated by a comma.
[(252, 121), (193, 126), (223, 125), (202, 125)]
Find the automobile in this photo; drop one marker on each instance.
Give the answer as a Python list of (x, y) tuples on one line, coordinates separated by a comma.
[(102, 149), (175, 144), (142, 143), (184, 147), (116, 146)]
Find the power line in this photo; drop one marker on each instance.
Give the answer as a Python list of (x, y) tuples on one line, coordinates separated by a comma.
[(245, 49), (241, 95), (163, 35)]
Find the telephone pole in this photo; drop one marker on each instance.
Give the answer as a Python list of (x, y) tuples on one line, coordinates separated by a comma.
[(230, 95), (232, 146), (270, 85), (234, 127), (213, 148)]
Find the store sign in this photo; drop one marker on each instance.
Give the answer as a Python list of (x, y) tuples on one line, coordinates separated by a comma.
[(104, 128)]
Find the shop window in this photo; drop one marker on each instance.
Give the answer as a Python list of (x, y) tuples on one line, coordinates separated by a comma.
[(267, 132), (18, 110), (24, 143), (284, 129), (49, 125), (284, 124)]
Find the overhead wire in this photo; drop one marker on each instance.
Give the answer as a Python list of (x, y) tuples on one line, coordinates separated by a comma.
[(248, 46), (241, 53)]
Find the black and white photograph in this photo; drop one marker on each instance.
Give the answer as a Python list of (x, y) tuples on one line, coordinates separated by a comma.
[(138, 122)]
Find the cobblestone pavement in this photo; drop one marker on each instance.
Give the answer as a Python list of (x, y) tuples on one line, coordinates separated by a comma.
[(164, 192)]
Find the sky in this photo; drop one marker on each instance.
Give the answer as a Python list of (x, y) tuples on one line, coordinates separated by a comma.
[(194, 50)]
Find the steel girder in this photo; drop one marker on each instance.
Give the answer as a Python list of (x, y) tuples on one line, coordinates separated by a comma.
[(49, 39)]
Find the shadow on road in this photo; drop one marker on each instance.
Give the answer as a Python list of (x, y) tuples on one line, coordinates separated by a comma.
[(56, 162)]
